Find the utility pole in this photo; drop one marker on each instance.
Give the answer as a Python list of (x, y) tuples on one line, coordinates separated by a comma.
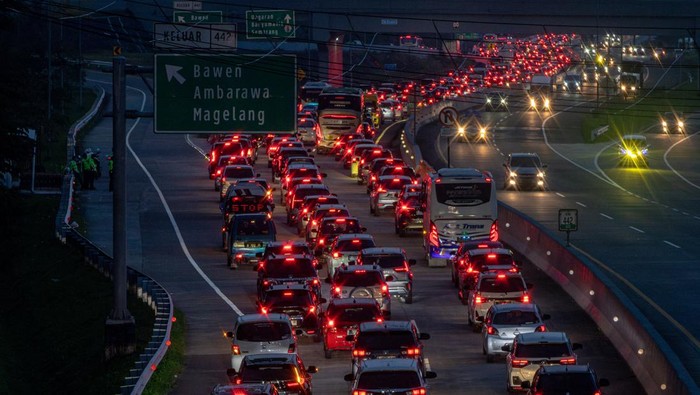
[(120, 328)]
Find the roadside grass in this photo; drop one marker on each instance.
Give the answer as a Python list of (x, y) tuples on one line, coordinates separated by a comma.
[(165, 376), (644, 115), (54, 308)]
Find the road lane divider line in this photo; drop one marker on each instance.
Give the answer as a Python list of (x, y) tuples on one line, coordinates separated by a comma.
[(606, 216), (672, 168), (171, 217), (671, 244), (581, 204), (636, 229), (559, 194)]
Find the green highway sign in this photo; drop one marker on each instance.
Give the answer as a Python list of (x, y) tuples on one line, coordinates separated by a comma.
[(224, 93), (568, 220), (270, 24), (198, 17)]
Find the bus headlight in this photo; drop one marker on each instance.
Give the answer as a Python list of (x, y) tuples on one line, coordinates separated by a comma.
[(513, 174)]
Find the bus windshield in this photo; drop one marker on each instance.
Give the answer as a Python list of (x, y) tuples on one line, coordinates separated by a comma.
[(467, 194)]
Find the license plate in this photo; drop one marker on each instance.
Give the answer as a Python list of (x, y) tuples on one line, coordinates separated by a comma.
[(295, 322), (253, 245)]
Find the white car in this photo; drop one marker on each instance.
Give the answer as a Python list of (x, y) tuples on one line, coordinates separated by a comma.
[(346, 248), (260, 334)]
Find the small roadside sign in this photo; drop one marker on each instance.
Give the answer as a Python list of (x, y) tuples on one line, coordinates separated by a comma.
[(184, 37), (568, 222), (448, 116), (193, 17)]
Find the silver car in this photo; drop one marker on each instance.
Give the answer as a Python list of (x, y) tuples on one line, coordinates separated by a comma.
[(492, 288), (395, 267), (390, 376), (362, 282), (529, 351), (505, 321), (346, 248), (231, 173), (260, 334), (385, 193)]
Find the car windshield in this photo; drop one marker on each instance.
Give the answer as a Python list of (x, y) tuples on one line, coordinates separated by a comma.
[(411, 201), (301, 192), (260, 373), (251, 227), (382, 340), (542, 350), (388, 380), (263, 331), (293, 152), (394, 183), (398, 171), (283, 268), (525, 161), (348, 315), (335, 227), (354, 245), (287, 249), (502, 285), (358, 278), (302, 172), (515, 317), (491, 259), (384, 261), (238, 172), (307, 123), (571, 383), (288, 297)]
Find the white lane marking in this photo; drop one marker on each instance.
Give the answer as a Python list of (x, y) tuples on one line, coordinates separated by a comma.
[(581, 204), (636, 229), (176, 228), (671, 244), (696, 217), (644, 297), (560, 194), (606, 216), (426, 362), (672, 168), (385, 130)]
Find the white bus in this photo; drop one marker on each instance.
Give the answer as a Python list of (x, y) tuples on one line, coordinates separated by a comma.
[(339, 111), (460, 205)]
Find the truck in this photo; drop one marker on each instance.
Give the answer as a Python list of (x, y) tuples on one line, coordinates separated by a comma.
[(631, 78), (539, 93)]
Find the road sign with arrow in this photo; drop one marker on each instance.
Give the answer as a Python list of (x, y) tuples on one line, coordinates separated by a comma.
[(194, 17), (202, 93), (270, 24), (448, 116)]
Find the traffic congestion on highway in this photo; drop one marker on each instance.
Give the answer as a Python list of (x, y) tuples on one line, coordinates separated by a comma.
[(326, 286)]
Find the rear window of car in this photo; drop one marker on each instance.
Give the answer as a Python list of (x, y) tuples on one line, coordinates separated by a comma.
[(352, 314), (542, 350), (287, 249), (384, 261), (394, 183), (302, 172), (578, 382), (501, 285), (335, 227), (358, 278), (388, 380), (354, 245), (294, 152), (232, 148), (288, 297), (260, 373), (300, 193), (373, 340), (515, 317), (491, 259), (253, 226), (238, 172), (398, 171), (288, 269), (263, 331), (307, 123)]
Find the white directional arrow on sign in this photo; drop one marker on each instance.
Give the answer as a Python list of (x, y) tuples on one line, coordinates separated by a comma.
[(180, 19), (287, 18), (172, 71)]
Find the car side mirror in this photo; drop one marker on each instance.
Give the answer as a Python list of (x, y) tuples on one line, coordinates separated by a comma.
[(348, 377), (312, 369), (411, 262), (424, 336), (525, 384), (507, 347), (350, 338), (229, 335), (546, 317), (430, 375), (603, 382), (231, 373), (576, 346)]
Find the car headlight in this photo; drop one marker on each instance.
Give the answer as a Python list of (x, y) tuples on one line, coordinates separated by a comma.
[(540, 174), (681, 124), (664, 123), (533, 103), (488, 100), (546, 103), (503, 101), (513, 174), (644, 151), (631, 154), (482, 131)]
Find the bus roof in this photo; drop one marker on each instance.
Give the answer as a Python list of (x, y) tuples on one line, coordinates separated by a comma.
[(465, 172), (342, 91)]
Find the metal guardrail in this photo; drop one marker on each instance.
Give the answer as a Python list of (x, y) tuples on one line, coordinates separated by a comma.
[(651, 359), (149, 291)]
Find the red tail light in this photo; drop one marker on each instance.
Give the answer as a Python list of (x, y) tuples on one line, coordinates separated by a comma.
[(292, 348), (412, 351), (519, 363), (322, 241), (235, 350), (359, 353), (359, 392), (491, 330), (385, 288), (263, 310), (480, 299), (330, 323), (312, 309), (418, 391), (541, 328), (493, 234), (381, 190), (337, 290), (401, 269), (433, 236), (336, 255), (526, 298), (568, 361)]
